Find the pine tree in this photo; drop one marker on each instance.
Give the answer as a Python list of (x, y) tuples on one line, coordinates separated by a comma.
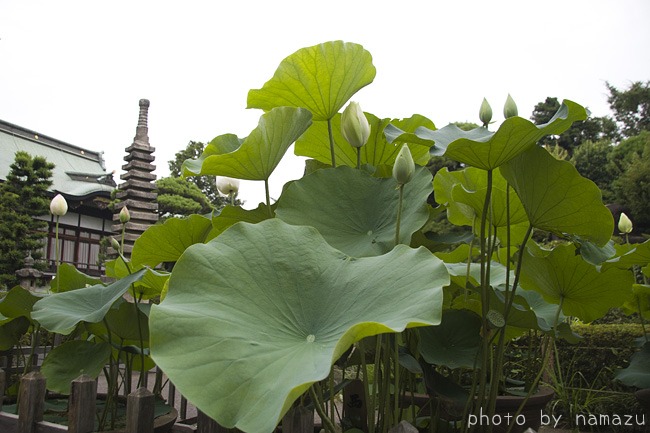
[(23, 196)]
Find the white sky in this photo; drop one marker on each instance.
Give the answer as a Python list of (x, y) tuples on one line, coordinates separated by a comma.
[(76, 69)]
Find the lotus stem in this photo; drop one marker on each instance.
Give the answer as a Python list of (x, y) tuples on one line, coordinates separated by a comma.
[(327, 422), (331, 136), (268, 197), (358, 158), (57, 253), (399, 214)]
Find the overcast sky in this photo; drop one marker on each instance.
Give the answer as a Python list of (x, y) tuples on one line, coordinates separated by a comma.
[(75, 70)]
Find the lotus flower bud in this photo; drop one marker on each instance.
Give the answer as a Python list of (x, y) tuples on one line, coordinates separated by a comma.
[(510, 108), (114, 243), (404, 166), (354, 125), (624, 224), (125, 216), (485, 113), (58, 205), (227, 185)]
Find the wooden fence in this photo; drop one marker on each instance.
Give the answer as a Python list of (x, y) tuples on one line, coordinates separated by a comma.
[(82, 413)]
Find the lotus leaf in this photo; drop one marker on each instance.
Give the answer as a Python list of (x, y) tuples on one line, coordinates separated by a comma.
[(61, 312), (358, 220), (321, 78), (259, 153), (258, 314), (488, 150), (563, 277), (557, 198)]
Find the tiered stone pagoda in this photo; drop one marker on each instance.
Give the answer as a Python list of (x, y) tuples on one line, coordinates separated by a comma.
[(138, 191)]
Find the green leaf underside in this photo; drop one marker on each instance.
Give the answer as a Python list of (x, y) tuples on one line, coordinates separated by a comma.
[(638, 255), (321, 78), (18, 302), (561, 276), (70, 278), (231, 215), (61, 312), (637, 374), (257, 315), (377, 152), (166, 242), (70, 360), (488, 150), (259, 153), (455, 342), (557, 198), (355, 212), (463, 191)]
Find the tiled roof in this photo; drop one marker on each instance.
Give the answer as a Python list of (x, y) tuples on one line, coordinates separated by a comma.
[(79, 173)]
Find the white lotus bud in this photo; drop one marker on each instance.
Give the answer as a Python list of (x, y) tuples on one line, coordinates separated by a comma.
[(485, 113), (404, 166), (354, 125), (58, 205), (624, 224), (510, 108), (227, 185), (125, 216)]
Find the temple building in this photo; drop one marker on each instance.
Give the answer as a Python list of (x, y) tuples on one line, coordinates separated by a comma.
[(80, 176)]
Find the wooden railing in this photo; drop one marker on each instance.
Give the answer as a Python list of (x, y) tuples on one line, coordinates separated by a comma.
[(82, 409)]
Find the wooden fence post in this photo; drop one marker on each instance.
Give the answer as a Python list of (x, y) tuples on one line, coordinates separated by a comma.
[(140, 411), (205, 424), (82, 403), (298, 420), (3, 385), (31, 400)]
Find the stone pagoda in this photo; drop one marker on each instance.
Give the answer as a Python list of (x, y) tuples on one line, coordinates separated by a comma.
[(138, 191)]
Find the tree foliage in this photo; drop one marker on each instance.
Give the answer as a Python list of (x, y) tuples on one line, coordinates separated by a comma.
[(178, 196), (592, 129), (632, 187), (207, 184), (23, 197), (631, 107)]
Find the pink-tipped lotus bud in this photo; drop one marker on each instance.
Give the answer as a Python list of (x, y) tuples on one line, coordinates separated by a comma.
[(354, 125), (58, 205)]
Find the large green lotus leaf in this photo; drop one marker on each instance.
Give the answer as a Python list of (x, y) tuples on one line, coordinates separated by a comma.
[(468, 188), (377, 152), (260, 152), (488, 150), (61, 312), (70, 278), (557, 198), (151, 285), (630, 255), (261, 312), (321, 78), (166, 242), (637, 374), (455, 342), (640, 301), (18, 302), (72, 359), (562, 276), (231, 215), (354, 211), (123, 323), (11, 331)]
